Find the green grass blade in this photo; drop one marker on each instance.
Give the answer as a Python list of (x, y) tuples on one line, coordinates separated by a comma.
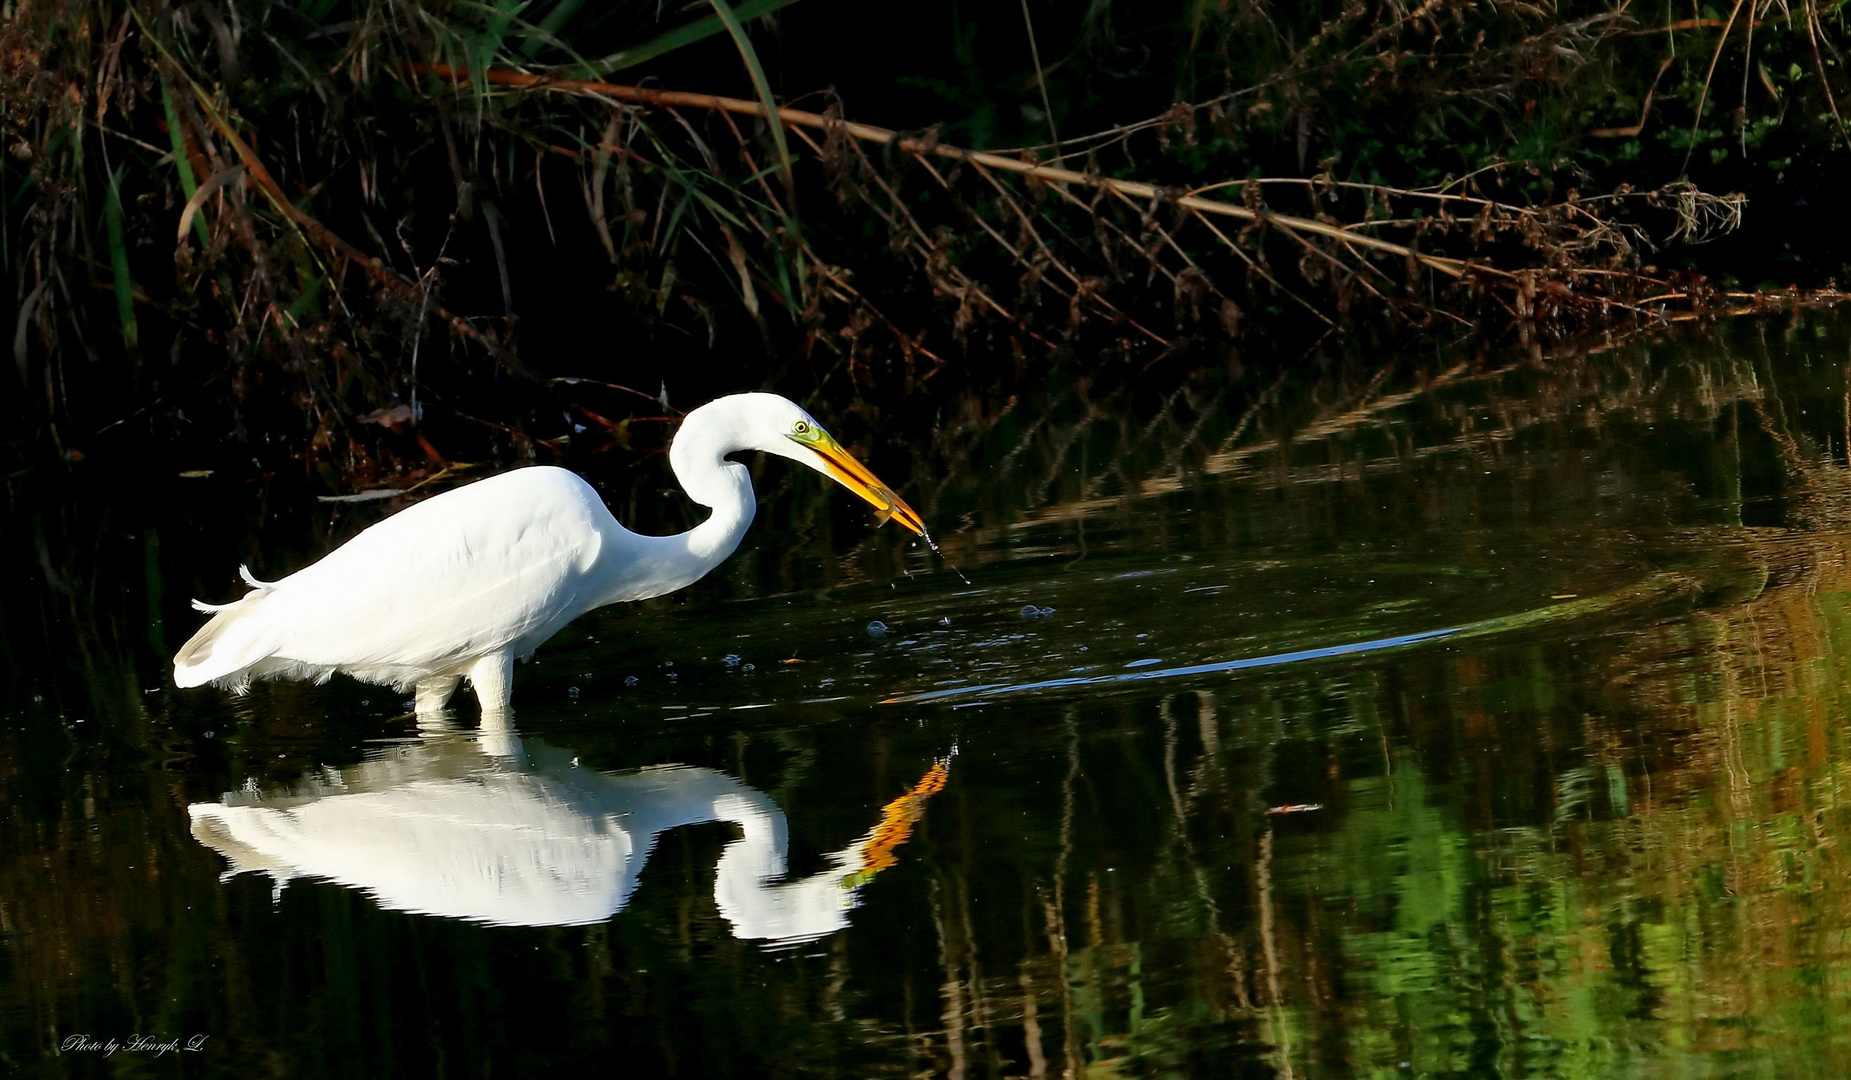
[(549, 26), (182, 164), (310, 280), (698, 30), (759, 84), (119, 259)]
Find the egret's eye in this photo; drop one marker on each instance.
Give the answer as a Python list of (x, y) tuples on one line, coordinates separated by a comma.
[(802, 428)]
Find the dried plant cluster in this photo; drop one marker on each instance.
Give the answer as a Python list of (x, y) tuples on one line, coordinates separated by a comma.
[(377, 234)]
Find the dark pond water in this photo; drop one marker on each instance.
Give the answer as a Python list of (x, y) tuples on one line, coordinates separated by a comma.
[(1466, 718)]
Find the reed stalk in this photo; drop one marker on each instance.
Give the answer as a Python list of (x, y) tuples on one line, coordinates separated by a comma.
[(788, 117)]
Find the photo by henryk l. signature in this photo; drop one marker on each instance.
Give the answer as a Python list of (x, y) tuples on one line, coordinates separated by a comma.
[(134, 1044)]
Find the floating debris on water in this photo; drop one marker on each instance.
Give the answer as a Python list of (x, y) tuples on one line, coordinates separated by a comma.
[(572, 692), (631, 680), (1030, 611), (730, 659), (944, 620)]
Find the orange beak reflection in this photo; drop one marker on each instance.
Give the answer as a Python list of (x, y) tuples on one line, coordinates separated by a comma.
[(855, 476)]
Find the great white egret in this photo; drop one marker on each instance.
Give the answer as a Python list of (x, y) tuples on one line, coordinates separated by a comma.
[(461, 584)]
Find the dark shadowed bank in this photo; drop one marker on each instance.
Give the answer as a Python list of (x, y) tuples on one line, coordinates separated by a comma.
[(343, 239)]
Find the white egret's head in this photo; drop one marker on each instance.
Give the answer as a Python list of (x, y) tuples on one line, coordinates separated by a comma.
[(780, 426)]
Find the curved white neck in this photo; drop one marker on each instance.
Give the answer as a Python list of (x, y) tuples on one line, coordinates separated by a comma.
[(698, 456), (663, 564), (726, 487)]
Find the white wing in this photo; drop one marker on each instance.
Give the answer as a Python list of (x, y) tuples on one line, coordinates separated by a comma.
[(502, 563)]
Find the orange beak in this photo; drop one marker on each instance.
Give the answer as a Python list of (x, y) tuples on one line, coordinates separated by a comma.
[(854, 476)]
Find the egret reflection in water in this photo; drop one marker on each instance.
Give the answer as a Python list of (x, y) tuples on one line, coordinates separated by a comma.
[(446, 826)]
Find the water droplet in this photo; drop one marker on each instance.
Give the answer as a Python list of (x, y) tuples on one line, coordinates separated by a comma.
[(730, 659), (631, 680), (877, 629), (572, 692)]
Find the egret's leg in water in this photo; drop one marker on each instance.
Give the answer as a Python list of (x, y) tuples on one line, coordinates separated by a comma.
[(434, 693), (493, 678)]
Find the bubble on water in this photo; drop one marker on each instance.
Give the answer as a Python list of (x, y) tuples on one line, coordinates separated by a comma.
[(668, 663), (1086, 648), (1046, 611), (572, 692), (672, 675), (631, 680), (877, 629), (749, 667), (209, 734), (730, 659), (1030, 611)]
